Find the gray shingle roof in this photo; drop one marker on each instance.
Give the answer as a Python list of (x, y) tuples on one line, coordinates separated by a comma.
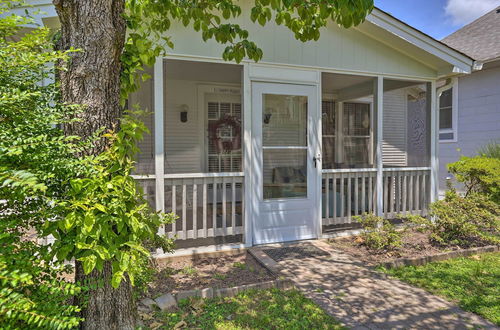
[(479, 39)]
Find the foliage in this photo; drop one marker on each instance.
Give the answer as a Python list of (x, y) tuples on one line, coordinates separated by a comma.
[(149, 21), (479, 175), (379, 234), (473, 282), (491, 150), (252, 309), (91, 205), (32, 290), (106, 217), (463, 221)]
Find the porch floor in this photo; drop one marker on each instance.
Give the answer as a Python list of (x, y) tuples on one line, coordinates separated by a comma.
[(359, 297)]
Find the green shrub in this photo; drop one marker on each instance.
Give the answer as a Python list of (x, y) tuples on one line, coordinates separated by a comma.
[(479, 175), (379, 234), (33, 292), (491, 150), (463, 221)]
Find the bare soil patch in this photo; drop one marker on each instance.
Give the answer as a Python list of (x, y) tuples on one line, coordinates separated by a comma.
[(174, 275), (415, 244)]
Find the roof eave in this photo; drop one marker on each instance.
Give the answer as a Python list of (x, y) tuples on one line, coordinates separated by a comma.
[(460, 63)]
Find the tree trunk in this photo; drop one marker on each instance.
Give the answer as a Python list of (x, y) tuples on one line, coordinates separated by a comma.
[(97, 29), (103, 306)]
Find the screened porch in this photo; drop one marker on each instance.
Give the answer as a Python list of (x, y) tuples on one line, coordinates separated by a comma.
[(375, 143)]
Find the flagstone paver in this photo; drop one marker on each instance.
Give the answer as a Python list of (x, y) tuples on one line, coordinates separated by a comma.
[(362, 298)]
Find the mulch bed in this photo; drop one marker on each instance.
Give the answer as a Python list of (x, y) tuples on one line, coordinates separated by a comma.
[(174, 275), (415, 244)]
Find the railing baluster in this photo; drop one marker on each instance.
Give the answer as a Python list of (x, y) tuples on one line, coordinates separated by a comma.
[(327, 198), (349, 198), (363, 193), (224, 209), (342, 197), (195, 209), (356, 194), (233, 204), (405, 191), (214, 206), (174, 208), (417, 193), (184, 211), (205, 208), (334, 198)]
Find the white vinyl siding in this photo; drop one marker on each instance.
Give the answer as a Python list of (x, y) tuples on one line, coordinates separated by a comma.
[(183, 152)]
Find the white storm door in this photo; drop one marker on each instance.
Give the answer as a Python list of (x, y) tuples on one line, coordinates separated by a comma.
[(286, 162)]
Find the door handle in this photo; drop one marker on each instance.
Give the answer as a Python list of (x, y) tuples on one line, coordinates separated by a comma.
[(315, 160)]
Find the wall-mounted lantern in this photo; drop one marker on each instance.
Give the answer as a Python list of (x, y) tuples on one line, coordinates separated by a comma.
[(184, 113)]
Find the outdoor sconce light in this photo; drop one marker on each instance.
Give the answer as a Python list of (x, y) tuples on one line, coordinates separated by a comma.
[(267, 118), (184, 113)]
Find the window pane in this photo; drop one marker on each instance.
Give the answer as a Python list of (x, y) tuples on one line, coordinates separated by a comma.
[(445, 118), (285, 173), (356, 151), (224, 136), (356, 119), (446, 98), (328, 117), (284, 120), (328, 152)]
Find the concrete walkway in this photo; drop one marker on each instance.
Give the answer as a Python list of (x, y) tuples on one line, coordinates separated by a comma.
[(359, 297)]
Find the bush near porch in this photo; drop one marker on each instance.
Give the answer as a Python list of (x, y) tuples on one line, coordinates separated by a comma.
[(473, 282)]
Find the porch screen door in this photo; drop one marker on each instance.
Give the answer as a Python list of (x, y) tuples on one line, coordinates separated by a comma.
[(286, 162)]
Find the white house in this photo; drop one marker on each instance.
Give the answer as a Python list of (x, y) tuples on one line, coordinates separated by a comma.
[(292, 147), (470, 109)]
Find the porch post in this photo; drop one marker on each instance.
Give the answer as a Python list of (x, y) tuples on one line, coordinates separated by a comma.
[(379, 133), (247, 155), (159, 150), (434, 141)]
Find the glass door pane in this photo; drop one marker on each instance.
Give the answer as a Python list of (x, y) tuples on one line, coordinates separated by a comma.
[(284, 144)]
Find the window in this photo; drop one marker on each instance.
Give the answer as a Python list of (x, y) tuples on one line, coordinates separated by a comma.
[(357, 134), (446, 110), (448, 115), (328, 128), (346, 134), (224, 136)]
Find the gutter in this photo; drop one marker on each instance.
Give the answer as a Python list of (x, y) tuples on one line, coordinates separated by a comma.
[(449, 84)]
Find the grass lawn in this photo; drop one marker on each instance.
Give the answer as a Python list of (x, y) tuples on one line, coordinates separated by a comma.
[(472, 282), (252, 309)]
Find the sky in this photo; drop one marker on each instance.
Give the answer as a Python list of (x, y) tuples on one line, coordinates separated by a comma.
[(438, 18)]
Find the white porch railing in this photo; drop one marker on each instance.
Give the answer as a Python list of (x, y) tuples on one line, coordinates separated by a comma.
[(347, 193), (350, 192), (406, 191), (207, 204)]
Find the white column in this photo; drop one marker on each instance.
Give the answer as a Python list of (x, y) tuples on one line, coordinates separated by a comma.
[(246, 89), (159, 147), (379, 133), (318, 152), (434, 139)]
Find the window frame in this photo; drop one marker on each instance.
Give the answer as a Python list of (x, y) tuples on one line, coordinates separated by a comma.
[(454, 115), (339, 153), (222, 89)]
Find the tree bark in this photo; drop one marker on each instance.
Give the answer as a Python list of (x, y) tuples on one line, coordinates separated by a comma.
[(103, 306), (97, 29)]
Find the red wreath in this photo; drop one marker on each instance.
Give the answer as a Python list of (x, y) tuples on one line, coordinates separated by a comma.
[(224, 144)]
